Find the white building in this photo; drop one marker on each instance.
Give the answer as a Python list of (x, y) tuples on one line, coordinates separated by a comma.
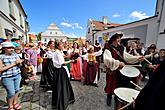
[(13, 20), (149, 30), (52, 33), (160, 12), (145, 30), (94, 26)]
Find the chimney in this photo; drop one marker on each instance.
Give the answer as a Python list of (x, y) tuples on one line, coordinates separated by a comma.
[(105, 19)]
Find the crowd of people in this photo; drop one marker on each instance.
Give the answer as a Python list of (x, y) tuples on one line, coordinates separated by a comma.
[(61, 62)]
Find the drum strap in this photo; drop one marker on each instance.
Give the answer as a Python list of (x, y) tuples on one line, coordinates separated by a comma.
[(118, 53)]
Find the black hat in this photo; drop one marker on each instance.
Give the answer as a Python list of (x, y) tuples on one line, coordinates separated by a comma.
[(115, 36), (15, 39)]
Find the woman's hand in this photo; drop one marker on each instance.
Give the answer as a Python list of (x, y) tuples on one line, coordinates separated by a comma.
[(19, 61)]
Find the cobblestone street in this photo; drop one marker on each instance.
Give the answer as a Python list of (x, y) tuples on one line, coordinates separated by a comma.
[(87, 97)]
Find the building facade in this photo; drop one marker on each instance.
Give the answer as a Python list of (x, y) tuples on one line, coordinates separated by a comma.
[(13, 20), (160, 12), (52, 33), (94, 26)]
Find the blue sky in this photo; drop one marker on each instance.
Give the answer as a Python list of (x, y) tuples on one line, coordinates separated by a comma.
[(71, 16)]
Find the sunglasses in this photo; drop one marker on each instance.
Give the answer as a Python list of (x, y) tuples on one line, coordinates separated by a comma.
[(9, 47)]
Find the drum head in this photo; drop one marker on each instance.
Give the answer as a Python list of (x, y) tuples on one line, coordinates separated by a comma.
[(126, 94), (130, 71)]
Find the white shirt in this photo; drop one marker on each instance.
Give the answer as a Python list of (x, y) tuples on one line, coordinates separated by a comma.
[(113, 64), (57, 58)]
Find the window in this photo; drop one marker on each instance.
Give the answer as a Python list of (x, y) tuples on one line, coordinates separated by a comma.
[(50, 32), (14, 33), (21, 21), (45, 40), (11, 10)]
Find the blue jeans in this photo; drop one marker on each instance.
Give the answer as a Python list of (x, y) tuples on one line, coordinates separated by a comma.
[(12, 85)]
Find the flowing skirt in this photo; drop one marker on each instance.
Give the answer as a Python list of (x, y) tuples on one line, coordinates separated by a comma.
[(62, 94), (90, 72), (76, 69), (47, 74)]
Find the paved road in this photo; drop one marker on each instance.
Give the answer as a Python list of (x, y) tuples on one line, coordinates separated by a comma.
[(87, 97)]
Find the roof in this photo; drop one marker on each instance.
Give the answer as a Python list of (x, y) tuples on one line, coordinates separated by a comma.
[(22, 8), (53, 30), (53, 26), (138, 21), (99, 25)]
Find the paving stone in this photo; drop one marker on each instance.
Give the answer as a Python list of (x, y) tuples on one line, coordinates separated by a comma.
[(86, 97)]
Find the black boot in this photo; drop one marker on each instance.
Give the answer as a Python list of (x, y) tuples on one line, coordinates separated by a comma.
[(109, 97)]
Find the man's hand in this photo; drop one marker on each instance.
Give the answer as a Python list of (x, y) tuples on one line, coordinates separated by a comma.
[(121, 65), (141, 58)]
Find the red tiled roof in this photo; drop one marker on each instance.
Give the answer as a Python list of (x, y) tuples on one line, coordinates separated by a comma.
[(99, 25)]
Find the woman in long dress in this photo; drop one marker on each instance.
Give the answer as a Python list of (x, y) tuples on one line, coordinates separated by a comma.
[(90, 67), (76, 67), (62, 94), (47, 65)]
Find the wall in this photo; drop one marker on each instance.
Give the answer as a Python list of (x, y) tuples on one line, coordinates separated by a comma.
[(143, 29), (7, 22)]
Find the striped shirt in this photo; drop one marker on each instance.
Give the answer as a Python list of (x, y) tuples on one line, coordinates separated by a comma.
[(8, 60)]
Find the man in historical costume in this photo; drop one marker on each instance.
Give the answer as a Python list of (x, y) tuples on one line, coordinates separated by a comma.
[(152, 95), (115, 58)]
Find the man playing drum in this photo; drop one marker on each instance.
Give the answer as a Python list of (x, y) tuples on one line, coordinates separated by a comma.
[(115, 58)]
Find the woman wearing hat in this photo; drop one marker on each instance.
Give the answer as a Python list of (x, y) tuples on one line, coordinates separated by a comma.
[(115, 58), (10, 74)]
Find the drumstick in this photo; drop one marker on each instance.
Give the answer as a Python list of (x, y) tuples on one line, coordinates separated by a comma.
[(147, 61), (136, 85), (125, 106), (134, 65)]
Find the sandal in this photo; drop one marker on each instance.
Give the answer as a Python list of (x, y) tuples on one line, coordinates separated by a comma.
[(17, 106), (10, 108)]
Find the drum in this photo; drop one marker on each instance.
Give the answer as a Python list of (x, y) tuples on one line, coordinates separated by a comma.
[(130, 71), (126, 94)]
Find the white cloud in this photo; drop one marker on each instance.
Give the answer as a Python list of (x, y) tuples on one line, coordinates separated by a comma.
[(71, 25), (76, 25), (138, 15), (72, 35), (115, 15), (66, 24)]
